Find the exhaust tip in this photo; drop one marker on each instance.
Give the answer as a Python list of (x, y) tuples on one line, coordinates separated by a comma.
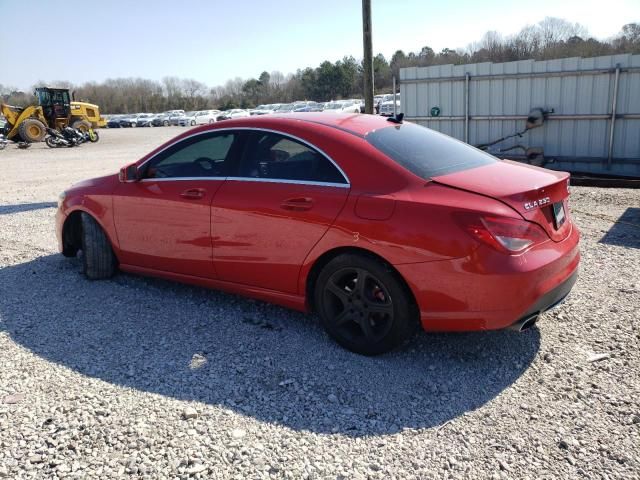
[(529, 323), (524, 323)]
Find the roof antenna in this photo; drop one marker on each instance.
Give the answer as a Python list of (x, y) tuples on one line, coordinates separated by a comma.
[(397, 119)]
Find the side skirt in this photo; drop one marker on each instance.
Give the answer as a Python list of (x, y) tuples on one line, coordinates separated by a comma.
[(288, 300)]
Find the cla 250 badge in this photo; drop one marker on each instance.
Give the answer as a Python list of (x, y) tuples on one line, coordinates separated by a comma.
[(537, 203)]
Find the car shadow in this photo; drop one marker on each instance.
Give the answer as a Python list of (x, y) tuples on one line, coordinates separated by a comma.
[(258, 359), (625, 232), (25, 207)]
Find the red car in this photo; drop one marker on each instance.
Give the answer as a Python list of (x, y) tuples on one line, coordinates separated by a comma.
[(377, 225)]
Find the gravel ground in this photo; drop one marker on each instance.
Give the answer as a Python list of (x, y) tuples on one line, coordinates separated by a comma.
[(143, 378)]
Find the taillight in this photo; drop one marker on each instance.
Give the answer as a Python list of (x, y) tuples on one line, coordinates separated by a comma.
[(505, 234)]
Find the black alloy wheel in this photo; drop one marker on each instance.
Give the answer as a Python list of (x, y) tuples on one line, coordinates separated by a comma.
[(360, 305), (363, 305)]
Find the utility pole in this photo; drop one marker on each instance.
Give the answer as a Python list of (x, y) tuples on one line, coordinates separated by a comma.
[(368, 56)]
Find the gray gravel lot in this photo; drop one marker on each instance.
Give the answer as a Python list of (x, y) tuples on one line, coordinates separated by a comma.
[(144, 378)]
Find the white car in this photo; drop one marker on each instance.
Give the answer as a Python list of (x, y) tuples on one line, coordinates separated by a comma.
[(235, 113), (188, 119), (265, 109), (360, 103), (386, 108), (342, 106), (206, 116)]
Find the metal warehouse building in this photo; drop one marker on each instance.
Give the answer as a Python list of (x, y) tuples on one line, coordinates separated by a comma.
[(591, 109)]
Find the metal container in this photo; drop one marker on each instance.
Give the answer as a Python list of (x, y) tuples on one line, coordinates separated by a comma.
[(593, 105)]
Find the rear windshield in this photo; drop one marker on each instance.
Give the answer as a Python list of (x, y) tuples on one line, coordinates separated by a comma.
[(425, 152)]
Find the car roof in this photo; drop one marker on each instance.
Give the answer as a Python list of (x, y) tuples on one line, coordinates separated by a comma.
[(353, 123), (356, 123)]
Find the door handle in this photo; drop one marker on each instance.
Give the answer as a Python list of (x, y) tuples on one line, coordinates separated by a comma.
[(298, 204), (193, 193)]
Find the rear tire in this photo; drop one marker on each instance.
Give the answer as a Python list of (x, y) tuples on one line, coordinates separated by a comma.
[(32, 130), (364, 305), (98, 260), (51, 143), (82, 125)]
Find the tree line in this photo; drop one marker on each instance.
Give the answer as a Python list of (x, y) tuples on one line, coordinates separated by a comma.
[(548, 39)]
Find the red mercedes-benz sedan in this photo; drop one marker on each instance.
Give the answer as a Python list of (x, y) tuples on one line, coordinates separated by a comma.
[(379, 226)]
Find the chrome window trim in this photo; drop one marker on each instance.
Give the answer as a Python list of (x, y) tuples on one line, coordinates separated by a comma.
[(248, 179), (168, 179), (293, 182), (275, 180)]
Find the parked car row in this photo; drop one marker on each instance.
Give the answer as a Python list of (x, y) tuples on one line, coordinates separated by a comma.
[(346, 106), (164, 119), (382, 103)]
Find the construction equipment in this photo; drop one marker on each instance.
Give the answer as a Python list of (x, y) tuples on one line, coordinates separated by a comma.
[(54, 110)]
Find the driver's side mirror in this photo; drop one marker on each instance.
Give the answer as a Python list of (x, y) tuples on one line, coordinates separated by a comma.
[(128, 173)]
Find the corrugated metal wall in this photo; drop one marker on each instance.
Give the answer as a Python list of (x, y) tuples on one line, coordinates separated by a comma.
[(503, 94)]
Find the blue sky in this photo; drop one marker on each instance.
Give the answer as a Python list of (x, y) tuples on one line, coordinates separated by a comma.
[(215, 40)]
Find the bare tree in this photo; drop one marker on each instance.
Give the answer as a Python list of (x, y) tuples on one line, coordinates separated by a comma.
[(192, 88), (172, 86), (554, 30), (277, 80), (527, 43)]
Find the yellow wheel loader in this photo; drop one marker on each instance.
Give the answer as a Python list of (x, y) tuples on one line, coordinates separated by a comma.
[(54, 110)]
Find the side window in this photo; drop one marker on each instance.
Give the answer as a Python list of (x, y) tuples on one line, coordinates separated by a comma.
[(273, 156), (200, 156)]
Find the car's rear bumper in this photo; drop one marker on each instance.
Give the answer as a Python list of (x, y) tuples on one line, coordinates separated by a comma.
[(488, 291), (553, 297)]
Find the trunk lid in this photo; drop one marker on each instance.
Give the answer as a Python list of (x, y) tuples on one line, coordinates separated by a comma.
[(531, 191)]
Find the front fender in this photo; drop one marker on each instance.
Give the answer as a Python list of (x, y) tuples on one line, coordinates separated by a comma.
[(99, 207)]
